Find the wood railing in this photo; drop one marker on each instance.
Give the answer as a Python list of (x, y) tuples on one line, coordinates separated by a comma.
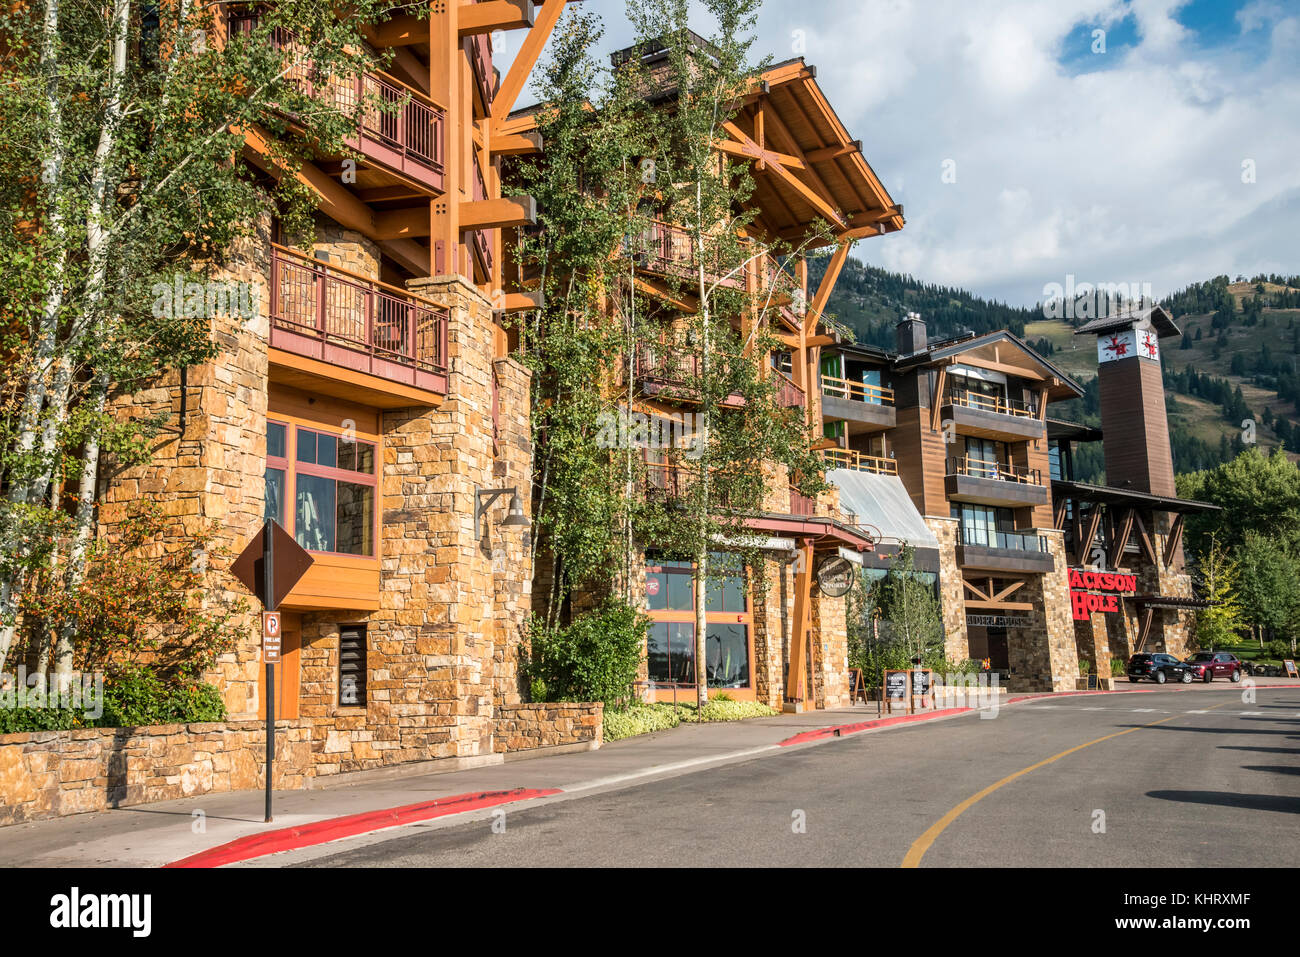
[(313, 299), (859, 462), (681, 371), (412, 127), (788, 394), (990, 403), (838, 388), (993, 469)]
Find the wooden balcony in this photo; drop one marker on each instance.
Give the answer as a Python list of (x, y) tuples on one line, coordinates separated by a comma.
[(859, 462), (400, 129), (384, 345), (865, 408), (991, 417), (987, 482), (672, 376)]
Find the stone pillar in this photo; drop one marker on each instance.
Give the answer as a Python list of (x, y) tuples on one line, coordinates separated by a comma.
[(952, 596), (1044, 656), (773, 602), (831, 642)]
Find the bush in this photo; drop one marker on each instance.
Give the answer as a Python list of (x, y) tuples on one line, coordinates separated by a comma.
[(595, 658), (138, 696), (640, 718), (1277, 649), (132, 698)]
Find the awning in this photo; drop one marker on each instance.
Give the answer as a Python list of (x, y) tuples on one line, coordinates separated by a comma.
[(882, 501)]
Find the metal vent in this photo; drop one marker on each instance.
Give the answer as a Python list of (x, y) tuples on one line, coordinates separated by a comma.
[(352, 666)]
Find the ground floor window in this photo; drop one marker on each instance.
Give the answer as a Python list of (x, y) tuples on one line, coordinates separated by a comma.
[(670, 641), (325, 484)]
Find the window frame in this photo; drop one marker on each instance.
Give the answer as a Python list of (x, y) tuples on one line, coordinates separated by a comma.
[(656, 565), (292, 467)]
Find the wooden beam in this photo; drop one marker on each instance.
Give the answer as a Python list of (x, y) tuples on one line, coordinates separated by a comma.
[(410, 254), (1058, 517), (1146, 626), (796, 686), (825, 195), (833, 152), (523, 301), (497, 213), (661, 291), (1004, 605), (332, 198), (1173, 539), (1010, 589), (489, 15), (1020, 371), (405, 223), (513, 83), (520, 144), (826, 287), (401, 31), (1121, 538), (939, 382), (1084, 544), (1144, 539)]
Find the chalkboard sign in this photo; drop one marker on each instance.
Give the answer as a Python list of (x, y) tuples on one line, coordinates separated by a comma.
[(921, 682), (1290, 669), (896, 689)]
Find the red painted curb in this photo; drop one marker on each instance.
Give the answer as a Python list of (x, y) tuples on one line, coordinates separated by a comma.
[(842, 729), (333, 829)]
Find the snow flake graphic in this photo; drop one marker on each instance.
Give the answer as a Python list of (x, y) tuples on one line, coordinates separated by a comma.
[(1117, 346), (1150, 345)]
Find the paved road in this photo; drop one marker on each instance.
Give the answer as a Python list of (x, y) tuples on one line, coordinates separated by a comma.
[(1182, 777)]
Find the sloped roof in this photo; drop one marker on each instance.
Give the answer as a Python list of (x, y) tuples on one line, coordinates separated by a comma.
[(1160, 319), (882, 501)]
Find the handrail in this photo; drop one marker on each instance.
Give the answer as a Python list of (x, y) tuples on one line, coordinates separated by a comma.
[(847, 389), (312, 299), (989, 403), (860, 462), (993, 469), (1014, 541)]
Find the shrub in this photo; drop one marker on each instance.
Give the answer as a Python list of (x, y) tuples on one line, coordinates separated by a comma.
[(638, 718), (1117, 667), (19, 720), (138, 696), (595, 658), (1277, 649)]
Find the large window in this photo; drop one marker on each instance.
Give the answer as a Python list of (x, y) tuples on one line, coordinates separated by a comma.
[(332, 481), (670, 598)]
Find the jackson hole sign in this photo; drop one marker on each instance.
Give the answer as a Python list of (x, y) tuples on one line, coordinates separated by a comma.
[(1098, 591)]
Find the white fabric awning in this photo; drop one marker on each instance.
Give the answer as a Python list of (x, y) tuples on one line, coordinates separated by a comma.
[(882, 501)]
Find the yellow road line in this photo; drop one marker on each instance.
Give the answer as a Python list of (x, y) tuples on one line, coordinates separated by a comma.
[(922, 843)]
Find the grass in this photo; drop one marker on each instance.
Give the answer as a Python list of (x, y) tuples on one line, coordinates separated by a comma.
[(641, 718)]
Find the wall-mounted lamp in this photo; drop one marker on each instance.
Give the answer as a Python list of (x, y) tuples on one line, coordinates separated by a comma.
[(515, 518)]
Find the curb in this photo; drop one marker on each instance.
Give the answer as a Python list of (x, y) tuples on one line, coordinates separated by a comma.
[(839, 730), (333, 829)]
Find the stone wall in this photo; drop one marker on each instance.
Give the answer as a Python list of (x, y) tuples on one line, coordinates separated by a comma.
[(1044, 655), (54, 773), (952, 596), (521, 727)]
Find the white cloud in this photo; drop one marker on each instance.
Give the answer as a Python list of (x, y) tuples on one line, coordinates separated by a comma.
[(1128, 172)]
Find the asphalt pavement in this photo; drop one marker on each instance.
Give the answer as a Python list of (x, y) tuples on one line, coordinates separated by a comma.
[(1183, 777)]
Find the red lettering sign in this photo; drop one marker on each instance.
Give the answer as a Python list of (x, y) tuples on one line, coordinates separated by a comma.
[(1083, 584)]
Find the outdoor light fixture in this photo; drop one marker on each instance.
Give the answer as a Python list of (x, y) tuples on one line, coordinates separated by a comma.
[(515, 517)]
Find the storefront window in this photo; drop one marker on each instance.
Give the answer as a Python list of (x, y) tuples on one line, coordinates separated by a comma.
[(671, 634), (277, 467)]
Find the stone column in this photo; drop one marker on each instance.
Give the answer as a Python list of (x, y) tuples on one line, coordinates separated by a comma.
[(952, 596)]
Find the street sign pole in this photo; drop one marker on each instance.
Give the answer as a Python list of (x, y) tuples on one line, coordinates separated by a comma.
[(268, 570)]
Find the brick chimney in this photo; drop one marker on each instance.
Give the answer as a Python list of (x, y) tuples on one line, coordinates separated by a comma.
[(911, 334)]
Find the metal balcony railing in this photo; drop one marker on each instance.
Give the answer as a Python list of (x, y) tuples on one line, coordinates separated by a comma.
[(665, 366), (838, 388), (412, 128), (859, 462), (331, 305), (990, 403), (985, 537), (993, 469)]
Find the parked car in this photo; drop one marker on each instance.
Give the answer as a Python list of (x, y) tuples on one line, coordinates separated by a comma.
[(1158, 668), (1208, 665)]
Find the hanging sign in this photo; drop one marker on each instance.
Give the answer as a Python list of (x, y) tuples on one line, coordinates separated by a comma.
[(835, 576)]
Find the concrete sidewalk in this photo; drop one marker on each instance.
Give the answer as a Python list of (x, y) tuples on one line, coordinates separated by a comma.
[(153, 835)]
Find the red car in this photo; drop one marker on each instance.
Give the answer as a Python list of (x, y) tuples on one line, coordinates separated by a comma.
[(1208, 665)]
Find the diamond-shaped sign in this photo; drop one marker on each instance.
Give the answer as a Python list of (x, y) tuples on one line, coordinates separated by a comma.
[(289, 562)]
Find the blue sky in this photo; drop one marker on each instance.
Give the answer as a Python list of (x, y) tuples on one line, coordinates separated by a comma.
[(1168, 154)]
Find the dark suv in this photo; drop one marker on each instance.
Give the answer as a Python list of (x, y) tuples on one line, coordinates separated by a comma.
[(1159, 668), (1208, 665)]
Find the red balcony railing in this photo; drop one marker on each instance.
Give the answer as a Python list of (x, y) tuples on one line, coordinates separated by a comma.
[(339, 317), (801, 504), (407, 136), (788, 395)]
